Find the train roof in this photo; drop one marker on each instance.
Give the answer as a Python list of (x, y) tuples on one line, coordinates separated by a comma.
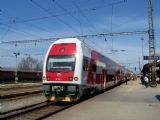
[(72, 40), (68, 40)]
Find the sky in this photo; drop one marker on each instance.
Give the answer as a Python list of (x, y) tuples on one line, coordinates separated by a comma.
[(43, 19)]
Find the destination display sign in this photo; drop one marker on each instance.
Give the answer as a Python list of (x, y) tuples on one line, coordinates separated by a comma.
[(151, 57)]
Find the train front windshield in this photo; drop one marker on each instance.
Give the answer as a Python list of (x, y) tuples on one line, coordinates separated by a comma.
[(61, 63)]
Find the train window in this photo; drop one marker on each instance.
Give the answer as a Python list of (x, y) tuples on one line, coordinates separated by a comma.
[(85, 65), (61, 63), (118, 72), (94, 67)]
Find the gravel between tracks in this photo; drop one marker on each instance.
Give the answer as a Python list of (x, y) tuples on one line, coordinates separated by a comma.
[(12, 104)]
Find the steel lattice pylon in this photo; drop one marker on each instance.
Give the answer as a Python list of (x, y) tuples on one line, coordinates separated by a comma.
[(152, 49)]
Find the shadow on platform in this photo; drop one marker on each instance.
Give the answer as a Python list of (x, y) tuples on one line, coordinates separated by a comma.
[(158, 97)]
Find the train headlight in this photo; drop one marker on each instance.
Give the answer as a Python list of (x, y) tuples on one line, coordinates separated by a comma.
[(48, 78), (75, 78), (70, 78)]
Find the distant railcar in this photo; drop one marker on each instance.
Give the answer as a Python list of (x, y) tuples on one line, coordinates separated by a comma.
[(72, 69), (8, 75)]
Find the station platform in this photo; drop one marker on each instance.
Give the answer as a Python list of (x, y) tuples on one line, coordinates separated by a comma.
[(125, 102)]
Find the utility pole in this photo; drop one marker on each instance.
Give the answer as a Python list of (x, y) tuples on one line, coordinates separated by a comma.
[(16, 73), (142, 39), (152, 75), (139, 64)]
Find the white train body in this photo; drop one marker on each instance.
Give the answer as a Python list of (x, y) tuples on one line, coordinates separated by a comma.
[(72, 70)]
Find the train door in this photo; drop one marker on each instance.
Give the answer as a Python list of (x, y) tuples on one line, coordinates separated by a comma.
[(104, 74), (94, 73), (85, 70), (90, 73)]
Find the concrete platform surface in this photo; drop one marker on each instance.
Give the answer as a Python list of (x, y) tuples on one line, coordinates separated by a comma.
[(125, 102)]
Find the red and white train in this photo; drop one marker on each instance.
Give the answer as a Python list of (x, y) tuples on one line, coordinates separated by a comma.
[(72, 70)]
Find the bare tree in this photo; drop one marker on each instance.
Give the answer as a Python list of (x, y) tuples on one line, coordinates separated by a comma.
[(30, 63)]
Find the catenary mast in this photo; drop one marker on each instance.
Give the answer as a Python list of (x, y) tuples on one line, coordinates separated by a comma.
[(152, 49)]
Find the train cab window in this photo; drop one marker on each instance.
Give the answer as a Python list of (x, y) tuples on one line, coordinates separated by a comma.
[(85, 64), (94, 67), (61, 63)]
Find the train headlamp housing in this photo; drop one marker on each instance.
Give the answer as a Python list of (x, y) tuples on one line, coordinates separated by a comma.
[(48, 78), (70, 78), (76, 78)]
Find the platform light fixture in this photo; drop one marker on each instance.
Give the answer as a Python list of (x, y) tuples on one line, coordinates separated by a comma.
[(16, 73)]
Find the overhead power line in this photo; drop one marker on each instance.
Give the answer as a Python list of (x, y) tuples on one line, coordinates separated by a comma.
[(64, 9), (10, 26), (13, 20), (50, 13), (80, 37), (19, 30), (88, 21), (67, 13)]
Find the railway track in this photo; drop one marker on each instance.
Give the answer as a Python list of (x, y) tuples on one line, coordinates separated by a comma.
[(42, 110), (12, 100), (31, 110), (16, 92), (36, 112)]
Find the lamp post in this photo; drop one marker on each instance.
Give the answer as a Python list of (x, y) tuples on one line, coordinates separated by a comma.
[(142, 51), (16, 73)]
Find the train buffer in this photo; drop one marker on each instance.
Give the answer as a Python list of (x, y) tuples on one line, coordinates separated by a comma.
[(125, 102)]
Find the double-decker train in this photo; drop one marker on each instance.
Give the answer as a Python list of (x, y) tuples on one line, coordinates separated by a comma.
[(72, 69)]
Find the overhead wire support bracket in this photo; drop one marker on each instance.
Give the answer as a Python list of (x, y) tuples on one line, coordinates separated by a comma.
[(80, 37)]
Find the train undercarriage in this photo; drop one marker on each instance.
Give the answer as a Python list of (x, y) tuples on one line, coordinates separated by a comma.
[(61, 92)]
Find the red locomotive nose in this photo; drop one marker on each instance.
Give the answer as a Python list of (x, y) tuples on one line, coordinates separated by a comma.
[(61, 62)]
